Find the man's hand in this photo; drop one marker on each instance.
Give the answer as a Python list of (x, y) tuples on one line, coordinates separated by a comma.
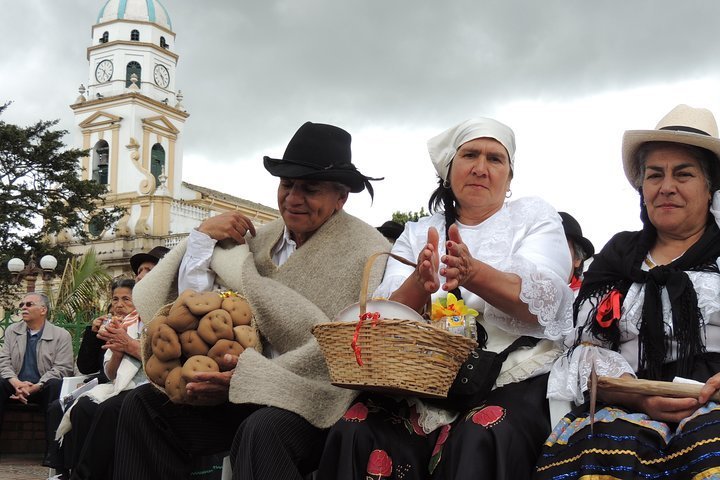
[(231, 225), (213, 387)]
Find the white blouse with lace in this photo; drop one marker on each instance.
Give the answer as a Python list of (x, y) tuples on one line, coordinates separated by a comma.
[(526, 238), (569, 375)]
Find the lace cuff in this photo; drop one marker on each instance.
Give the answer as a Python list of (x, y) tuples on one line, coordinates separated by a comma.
[(546, 296), (569, 375)]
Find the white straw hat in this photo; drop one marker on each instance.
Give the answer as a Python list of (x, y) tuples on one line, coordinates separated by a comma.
[(684, 124)]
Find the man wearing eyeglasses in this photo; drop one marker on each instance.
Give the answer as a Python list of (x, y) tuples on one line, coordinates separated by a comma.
[(35, 356)]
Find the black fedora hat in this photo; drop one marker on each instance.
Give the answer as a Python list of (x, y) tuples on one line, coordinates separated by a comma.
[(153, 255), (320, 152), (573, 231), (391, 229)]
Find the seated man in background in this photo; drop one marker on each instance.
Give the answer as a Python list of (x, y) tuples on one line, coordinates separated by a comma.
[(580, 247), (303, 269), (35, 356)]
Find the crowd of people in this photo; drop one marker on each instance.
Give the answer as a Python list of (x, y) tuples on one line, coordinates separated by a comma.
[(521, 406)]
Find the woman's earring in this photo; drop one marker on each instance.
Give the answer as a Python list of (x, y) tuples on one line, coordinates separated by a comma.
[(446, 184), (508, 194)]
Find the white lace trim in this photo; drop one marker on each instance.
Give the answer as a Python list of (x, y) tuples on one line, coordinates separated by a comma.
[(430, 417), (547, 297), (569, 376), (539, 363)]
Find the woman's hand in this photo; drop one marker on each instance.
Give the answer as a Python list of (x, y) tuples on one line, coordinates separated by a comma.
[(711, 386), (668, 409), (426, 272), (458, 261), (424, 281), (97, 323), (117, 339)]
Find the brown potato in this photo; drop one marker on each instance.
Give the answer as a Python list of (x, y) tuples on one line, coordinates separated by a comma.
[(166, 344), (152, 326), (175, 386), (202, 303), (181, 319), (191, 344), (223, 346), (198, 363), (239, 310), (157, 370), (246, 336), (214, 326)]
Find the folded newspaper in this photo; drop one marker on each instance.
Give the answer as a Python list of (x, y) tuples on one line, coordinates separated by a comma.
[(67, 400)]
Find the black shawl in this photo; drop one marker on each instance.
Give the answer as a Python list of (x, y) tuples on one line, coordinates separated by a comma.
[(618, 266)]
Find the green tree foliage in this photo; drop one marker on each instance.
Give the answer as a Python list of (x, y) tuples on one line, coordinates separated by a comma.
[(41, 194), (404, 217)]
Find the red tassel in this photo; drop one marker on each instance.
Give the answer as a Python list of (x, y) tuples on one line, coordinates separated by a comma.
[(374, 316), (609, 309)]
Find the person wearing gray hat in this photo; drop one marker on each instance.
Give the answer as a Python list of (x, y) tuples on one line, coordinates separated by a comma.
[(648, 309)]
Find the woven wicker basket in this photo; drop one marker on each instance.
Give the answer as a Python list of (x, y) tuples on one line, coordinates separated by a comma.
[(398, 356)]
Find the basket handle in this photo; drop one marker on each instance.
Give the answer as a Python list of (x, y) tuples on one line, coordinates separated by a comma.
[(366, 275)]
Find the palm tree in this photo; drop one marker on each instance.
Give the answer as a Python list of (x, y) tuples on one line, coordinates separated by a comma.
[(83, 289)]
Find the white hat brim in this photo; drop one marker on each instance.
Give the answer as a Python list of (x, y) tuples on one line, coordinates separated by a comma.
[(633, 139)]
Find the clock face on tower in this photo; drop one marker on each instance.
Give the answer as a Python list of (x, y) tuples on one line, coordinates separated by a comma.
[(104, 71), (161, 76)]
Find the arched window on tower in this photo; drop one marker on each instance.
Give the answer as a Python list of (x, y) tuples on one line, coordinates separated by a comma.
[(135, 36), (105, 37), (163, 43), (157, 162), (132, 67), (100, 162)]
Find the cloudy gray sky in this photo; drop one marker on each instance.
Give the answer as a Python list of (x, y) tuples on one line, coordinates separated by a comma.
[(568, 76)]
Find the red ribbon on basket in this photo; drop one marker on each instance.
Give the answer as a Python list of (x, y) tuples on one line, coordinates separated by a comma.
[(374, 316)]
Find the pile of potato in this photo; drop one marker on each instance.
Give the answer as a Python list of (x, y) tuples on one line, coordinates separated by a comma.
[(192, 335)]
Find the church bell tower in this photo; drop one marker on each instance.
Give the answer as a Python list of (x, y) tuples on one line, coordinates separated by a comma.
[(130, 117)]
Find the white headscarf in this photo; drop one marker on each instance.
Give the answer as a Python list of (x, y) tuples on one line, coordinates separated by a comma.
[(442, 148)]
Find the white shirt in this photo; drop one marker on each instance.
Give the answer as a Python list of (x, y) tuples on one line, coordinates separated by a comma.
[(526, 238), (569, 375)]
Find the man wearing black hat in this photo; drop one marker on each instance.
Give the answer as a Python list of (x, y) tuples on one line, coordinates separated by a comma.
[(142, 263), (391, 230), (295, 272), (580, 248)]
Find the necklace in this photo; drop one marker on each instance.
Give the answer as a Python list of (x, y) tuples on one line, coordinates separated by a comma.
[(649, 261)]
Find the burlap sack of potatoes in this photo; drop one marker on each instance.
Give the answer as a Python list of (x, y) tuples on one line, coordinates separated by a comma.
[(198, 326)]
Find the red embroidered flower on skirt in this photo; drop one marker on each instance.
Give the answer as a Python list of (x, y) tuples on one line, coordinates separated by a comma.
[(442, 438), (356, 413), (379, 464), (489, 416)]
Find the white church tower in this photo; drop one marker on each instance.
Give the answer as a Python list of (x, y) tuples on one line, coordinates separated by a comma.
[(130, 116), (130, 108)]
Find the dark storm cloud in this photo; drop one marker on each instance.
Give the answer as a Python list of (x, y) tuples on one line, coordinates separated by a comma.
[(252, 72)]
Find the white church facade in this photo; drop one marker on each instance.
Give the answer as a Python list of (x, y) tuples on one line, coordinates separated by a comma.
[(130, 117)]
